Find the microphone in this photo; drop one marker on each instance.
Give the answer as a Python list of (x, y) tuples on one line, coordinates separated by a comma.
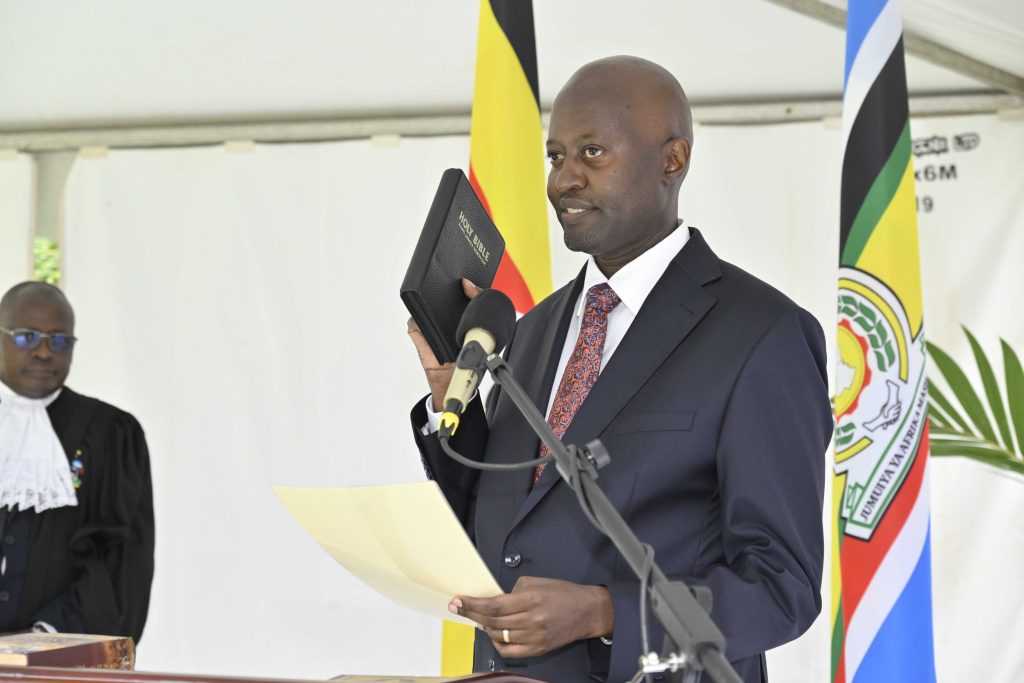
[(485, 328)]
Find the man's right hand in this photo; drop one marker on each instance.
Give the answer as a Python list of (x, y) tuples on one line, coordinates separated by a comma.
[(439, 376)]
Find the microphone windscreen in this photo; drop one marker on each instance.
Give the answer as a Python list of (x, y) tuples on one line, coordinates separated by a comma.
[(492, 311)]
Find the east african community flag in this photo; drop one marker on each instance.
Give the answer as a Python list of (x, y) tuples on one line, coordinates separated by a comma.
[(881, 557)]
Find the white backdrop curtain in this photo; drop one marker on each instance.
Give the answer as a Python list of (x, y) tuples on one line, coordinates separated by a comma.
[(244, 306), (16, 174)]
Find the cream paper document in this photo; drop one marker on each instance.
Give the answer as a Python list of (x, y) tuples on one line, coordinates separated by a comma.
[(402, 540)]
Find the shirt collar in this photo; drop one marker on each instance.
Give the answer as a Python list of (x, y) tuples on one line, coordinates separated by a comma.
[(15, 399), (635, 280)]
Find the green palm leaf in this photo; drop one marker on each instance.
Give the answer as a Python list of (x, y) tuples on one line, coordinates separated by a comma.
[(965, 448), (940, 430), (952, 435), (939, 399), (1014, 392), (962, 390), (936, 418), (988, 381)]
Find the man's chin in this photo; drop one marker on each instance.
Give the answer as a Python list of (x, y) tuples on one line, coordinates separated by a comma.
[(582, 242), (37, 388)]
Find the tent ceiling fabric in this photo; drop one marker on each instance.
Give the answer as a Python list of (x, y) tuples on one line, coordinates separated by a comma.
[(991, 31), (120, 62)]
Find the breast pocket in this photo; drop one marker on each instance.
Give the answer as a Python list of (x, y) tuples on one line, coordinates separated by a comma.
[(653, 422)]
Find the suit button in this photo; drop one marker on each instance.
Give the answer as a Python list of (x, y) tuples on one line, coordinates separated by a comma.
[(4, 596), (9, 539), (512, 560), (491, 665)]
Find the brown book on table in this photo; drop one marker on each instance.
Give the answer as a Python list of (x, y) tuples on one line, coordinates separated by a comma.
[(67, 650)]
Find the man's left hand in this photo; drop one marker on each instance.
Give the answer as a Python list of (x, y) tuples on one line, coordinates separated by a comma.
[(540, 615)]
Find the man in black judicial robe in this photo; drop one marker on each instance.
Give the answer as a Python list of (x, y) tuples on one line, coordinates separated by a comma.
[(85, 567)]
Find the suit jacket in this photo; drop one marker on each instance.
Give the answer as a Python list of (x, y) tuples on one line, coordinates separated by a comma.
[(715, 411)]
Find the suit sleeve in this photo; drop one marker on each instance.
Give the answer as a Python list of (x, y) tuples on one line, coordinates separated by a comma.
[(112, 553), (457, 482), (771, 469)]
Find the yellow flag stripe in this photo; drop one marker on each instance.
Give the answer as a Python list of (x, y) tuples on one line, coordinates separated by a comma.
[(507, 154), (891, 253), (838, 487), (456, 649)]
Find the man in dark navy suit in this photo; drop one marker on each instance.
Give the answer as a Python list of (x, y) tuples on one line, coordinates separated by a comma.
[(707, 386)]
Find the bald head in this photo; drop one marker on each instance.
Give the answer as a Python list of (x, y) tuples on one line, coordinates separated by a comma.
[(641, 89), (34, 294)]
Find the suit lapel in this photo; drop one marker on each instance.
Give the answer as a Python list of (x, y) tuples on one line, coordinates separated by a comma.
[(673, 309), (537, 382)]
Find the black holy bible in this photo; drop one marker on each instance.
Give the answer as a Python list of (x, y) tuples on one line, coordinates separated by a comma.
[(458, 240)]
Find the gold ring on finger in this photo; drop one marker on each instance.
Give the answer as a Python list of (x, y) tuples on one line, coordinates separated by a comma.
[(504, 635)]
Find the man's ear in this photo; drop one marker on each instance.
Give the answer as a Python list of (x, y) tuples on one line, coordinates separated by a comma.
[(677, 159)]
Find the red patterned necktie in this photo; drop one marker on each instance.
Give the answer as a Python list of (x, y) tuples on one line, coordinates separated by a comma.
[(584, 364)]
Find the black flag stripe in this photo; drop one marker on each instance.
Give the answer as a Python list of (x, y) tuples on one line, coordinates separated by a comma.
[(873, 137)]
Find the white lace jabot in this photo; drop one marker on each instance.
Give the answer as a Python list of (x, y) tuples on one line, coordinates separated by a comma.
[(34, 472)]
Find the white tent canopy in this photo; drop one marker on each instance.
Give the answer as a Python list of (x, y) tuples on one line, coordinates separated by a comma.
[(119, 64)]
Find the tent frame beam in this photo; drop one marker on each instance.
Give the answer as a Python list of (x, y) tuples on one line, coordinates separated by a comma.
[(919, 46), (385, 130)]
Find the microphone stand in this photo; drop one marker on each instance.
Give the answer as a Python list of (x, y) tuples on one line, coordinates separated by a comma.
[(692, 641)]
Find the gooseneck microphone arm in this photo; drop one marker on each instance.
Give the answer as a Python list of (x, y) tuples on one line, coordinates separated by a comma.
[(693, 642)]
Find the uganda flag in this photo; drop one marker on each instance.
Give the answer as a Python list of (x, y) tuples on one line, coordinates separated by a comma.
[(506, 168), (506, 148), (881, 551)]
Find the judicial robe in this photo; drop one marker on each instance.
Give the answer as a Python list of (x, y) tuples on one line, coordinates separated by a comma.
[(89, 567)]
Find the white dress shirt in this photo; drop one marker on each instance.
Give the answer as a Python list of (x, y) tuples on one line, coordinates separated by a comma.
[(632, 283)]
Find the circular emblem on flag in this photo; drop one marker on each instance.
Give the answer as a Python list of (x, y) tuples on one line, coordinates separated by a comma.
[(880, 398)]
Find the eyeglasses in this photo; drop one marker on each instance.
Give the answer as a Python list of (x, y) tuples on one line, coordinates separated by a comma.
[(30, 339)]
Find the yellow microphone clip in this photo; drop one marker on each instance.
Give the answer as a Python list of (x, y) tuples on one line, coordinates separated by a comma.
[(449, 422)]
